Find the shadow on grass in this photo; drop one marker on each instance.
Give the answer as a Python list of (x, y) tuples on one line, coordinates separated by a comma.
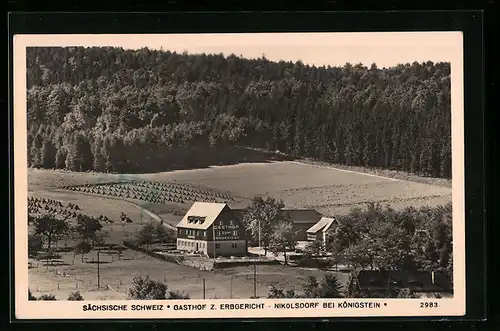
[(64, 249), (201, 157), (53, 263)]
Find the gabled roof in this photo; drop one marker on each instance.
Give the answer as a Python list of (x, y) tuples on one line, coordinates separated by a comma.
[(323, 225), (201, 215), (302, 215), (416, 281), (295, 215)]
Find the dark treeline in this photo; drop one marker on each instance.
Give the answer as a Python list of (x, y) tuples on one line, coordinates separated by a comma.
[(109, 109)]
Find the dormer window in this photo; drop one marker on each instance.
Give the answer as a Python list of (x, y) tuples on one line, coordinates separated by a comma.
[(196, 219)]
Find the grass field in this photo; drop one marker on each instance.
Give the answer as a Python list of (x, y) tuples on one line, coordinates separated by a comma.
[(62, 279), (330, 191)]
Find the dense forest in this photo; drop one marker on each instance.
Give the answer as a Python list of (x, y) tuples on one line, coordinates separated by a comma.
[(116, 110)]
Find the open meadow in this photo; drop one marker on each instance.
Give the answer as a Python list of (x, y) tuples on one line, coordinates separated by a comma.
[(330, 191), (70, 274)]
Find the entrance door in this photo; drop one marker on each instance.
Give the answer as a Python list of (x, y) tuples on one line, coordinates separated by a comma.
[(197, 247)]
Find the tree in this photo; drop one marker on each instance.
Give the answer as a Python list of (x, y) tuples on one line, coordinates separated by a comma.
[(47, 297), (75, 296), (162, 234), (83, 248), (79, 157), (313, 250), (61, 155), (283, 240), (145, 288), (146, 235), (261, 218), (88, 227), (351, 114), (310, 287), (50, 227), (48, 154), (35, 244), (330, 287)]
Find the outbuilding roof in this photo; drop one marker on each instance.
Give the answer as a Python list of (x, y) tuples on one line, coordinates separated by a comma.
[(323, 225), (201, 215), (416, 281), (302, 215)]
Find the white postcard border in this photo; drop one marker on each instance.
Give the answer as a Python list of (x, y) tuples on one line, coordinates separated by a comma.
[(26, 309)]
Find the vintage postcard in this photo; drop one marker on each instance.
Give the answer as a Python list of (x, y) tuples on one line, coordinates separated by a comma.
[(258, 175)]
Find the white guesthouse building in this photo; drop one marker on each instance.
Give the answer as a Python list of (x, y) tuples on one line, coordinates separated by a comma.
[(211, 229)]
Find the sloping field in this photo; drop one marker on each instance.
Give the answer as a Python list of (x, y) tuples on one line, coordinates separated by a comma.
[(331, 191), (96, 206)]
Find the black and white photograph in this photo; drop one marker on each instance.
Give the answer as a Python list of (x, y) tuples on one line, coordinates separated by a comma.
[(250, 167)]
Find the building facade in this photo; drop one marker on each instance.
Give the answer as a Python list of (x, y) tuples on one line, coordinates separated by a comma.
[(211, 229)]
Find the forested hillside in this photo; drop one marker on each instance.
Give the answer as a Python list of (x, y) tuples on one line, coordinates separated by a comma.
[(109, 109)]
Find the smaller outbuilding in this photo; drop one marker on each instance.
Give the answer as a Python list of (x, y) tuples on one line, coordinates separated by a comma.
[(318, 232), (424, 284)]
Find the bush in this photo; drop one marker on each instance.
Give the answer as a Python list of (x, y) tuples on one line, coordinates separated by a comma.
[(75, 296), (31, 296), (145, 288), (47, 297), (177, 295)]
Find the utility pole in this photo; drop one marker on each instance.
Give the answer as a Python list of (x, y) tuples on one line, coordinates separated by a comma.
[(203, 288), (231, 288), (260, 246), (98, 269), (254, 281)]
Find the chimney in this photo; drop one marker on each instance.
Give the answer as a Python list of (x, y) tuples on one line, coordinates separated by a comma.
[(432, 277)]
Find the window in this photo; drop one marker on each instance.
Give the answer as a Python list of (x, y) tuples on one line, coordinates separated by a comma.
[(231, 222), (235, 233), (217, 246), (234, 245)]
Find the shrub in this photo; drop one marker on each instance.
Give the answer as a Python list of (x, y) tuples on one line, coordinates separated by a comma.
[(75, 296), (177, 295), (145, 288), (31, 296)]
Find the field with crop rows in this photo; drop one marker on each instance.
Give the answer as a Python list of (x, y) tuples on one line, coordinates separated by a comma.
[(331, 191), (156, 192)]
